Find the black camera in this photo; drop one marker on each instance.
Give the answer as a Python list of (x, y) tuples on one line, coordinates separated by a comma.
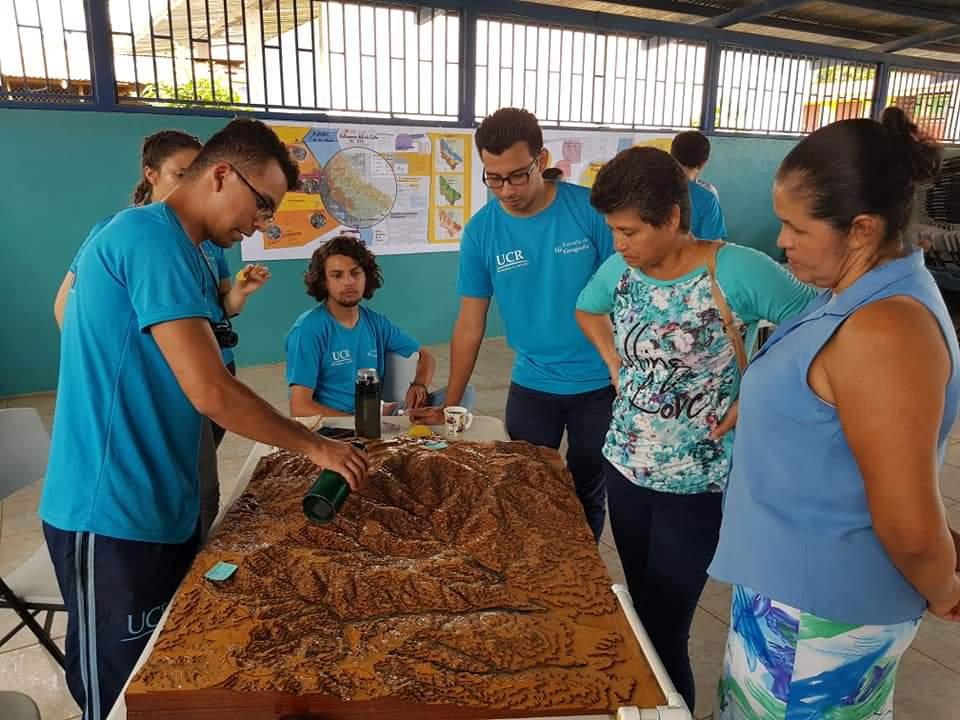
[(226, 337)]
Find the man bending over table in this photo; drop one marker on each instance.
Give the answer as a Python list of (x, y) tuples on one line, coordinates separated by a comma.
[(139, 367)]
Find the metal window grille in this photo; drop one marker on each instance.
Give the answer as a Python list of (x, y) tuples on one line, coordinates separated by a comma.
[(789, 94), (44, 53), (393, 61), (580, 78), (931, 98), (343, 58)]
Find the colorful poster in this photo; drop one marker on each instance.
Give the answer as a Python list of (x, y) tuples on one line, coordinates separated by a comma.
[(581, 154), (403, 189), (399, 189)]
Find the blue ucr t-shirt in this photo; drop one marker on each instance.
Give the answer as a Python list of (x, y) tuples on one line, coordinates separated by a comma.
[(98, 226), (215, 259), (536, 267), (215, 264), (123, 461), (706, 217), (324, 355)]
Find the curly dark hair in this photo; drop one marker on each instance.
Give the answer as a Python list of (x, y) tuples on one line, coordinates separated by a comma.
[(348, 246), (247, 143), (646, 180)]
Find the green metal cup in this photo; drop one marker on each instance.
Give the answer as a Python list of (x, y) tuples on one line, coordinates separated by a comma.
[(325, 498), (327, 495)]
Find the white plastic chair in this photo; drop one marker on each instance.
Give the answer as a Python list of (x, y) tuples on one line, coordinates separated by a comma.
[(32, 588), (398, 373)]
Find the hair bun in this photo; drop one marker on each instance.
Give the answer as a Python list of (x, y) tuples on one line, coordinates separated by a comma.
[(923, 155), (898, 122)]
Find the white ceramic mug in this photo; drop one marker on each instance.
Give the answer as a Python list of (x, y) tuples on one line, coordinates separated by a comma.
[(457, 419)]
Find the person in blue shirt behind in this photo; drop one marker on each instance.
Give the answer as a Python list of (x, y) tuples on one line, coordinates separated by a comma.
[(329, 343), (533, 247), (677, 370), (227, 300), (164, 158), (834, 533), (692, 150), (139, 367)]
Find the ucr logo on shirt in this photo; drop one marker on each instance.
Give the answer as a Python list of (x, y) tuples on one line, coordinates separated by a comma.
[(511, 261), (342, 357)]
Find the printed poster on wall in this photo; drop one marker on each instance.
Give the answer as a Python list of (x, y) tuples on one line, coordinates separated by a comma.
[(404, 190), (580, 154), (401, 190)]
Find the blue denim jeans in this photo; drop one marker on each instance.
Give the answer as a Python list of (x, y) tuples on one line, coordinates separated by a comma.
[(540, 418)]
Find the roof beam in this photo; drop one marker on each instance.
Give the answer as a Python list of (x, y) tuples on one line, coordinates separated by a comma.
[(780, 23), (611, 23), (894, 8), (750, 12), (917, 40)]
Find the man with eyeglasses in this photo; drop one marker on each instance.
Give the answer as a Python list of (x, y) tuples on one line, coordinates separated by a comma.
[(139, 366), (534, 248)]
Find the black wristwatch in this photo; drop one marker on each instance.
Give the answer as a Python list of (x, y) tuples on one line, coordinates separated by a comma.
[(416, 384)]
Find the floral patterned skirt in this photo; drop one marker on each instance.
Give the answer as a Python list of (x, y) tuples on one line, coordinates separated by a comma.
[(784, 664)]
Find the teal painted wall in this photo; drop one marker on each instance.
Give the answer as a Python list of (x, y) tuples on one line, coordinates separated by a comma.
[(62, 171), (743, 171)]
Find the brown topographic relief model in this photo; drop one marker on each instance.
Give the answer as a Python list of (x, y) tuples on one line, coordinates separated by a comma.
[(458, 583)]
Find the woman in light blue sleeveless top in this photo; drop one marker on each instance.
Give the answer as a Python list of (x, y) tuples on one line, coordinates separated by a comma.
[(834, 532)]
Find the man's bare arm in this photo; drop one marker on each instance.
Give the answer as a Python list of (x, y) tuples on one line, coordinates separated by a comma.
[(302, 404), (191, 352), (63, 295), (468, 334)]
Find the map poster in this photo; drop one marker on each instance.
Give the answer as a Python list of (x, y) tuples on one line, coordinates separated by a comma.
[(580, 154), (399, 189)]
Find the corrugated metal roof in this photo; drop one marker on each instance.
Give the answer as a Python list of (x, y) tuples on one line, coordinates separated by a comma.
[(830, 23)]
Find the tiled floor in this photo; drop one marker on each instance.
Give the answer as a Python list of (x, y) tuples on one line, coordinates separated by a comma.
[(929, 681)]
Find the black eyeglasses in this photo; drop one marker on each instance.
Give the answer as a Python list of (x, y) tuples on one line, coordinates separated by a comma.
[(520, 177), (265, 209)]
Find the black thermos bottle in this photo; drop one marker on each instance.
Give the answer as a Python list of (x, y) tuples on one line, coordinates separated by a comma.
[(367, 403)]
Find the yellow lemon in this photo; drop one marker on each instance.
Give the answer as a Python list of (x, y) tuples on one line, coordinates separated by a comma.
[(419, 431)]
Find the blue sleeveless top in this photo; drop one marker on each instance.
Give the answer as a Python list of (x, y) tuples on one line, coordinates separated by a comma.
[(796, 524)]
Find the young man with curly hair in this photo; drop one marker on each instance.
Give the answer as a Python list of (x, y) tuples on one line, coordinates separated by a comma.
[(329, 343)]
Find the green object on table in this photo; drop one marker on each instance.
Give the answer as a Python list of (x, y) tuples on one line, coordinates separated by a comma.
[(220, 572), (325, 498), (327, 494)]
